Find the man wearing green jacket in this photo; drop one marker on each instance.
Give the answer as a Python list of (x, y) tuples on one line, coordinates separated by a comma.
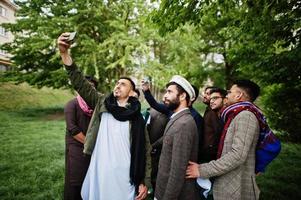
[(115, 137)]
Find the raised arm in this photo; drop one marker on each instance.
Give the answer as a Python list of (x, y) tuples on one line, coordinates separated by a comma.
[(160, 107), (78, 81), (64, 49)]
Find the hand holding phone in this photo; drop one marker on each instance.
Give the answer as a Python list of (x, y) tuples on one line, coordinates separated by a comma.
[(71, 37), (145, 83)]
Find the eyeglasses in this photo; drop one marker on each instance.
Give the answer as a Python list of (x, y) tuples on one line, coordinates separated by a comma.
[(215, 98)]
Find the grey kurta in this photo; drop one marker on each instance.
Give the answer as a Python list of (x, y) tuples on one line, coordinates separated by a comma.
[(180, 144), (236, 167)]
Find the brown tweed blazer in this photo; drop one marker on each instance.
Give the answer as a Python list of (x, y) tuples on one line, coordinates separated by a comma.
[(236, 167), (180, 144)]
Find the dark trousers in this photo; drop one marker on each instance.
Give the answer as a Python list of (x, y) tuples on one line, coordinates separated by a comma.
[(76, 166), (72, 192), (155, 157)]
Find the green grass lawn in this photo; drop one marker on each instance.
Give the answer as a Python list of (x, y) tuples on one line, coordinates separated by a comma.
[(32, 152), (32, 156)]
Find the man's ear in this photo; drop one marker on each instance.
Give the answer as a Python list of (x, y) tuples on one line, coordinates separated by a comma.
[(131, 93), (239, 96), (183, 96)]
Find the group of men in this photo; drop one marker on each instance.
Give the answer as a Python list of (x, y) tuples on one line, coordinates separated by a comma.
[(185, 146)]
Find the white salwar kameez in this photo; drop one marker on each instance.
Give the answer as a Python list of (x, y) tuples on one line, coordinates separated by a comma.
[(108, 176)]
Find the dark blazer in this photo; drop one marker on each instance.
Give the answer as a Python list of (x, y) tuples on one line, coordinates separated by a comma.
[(156, 127), (213, 128), (180, 144)]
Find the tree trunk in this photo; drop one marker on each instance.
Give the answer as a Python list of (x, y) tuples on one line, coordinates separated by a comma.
[(229, 75)]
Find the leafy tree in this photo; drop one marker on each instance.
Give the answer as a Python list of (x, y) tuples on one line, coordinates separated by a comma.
[(217, 24), (176, 53), (106, 41), (259, 40), (274, 60)]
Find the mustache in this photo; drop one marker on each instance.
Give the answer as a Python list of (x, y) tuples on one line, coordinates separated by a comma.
[(166, 100)]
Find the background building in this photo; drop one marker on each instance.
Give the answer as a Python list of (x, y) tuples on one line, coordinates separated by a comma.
[(7, 15)]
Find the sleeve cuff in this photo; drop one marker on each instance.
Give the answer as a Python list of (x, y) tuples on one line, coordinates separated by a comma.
[(146, 92), (71, 67), (204, 170), (75, 131)]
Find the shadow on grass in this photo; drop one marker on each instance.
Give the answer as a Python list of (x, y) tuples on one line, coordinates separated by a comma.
[(52, 113)]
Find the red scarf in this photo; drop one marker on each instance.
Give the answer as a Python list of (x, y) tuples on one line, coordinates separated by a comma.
[(230, 112), (83, 105)]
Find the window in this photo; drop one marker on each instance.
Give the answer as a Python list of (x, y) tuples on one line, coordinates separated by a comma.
[(2, 31), (2, 11)]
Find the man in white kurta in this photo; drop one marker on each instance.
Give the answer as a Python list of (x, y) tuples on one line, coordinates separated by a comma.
[(110, 163), (117, 167)]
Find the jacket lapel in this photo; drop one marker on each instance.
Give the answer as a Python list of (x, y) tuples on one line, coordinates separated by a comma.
[(175, 118)]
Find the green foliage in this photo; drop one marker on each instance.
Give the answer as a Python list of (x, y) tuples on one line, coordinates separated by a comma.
[(114, 38), (177, 53), (255, 37), (34, 50), (275, 46), (108, 39), (217, 25), (259, 40), (273, 59), (282, 105)]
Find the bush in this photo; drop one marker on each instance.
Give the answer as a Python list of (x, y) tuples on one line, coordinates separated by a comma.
[(282, 106)]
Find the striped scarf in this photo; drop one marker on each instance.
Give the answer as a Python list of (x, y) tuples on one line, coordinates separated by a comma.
[(230, 112)]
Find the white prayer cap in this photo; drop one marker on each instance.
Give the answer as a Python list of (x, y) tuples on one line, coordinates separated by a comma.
[(185, 85)]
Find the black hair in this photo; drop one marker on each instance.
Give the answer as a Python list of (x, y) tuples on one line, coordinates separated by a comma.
[(251, 88), (222, 92), (180, 90), (92, 80), (210, 88), (196, 91), (129, 79)]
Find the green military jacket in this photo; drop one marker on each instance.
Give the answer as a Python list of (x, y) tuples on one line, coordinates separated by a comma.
[(94, 99)]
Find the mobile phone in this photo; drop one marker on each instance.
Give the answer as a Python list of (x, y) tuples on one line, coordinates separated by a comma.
[(146, 80), (71, 37)]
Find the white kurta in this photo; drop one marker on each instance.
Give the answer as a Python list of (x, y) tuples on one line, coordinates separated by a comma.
[(108, 176)]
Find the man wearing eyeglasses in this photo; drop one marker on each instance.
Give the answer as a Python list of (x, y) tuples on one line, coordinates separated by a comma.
[(217, 99), (235, 167), (211, 129)]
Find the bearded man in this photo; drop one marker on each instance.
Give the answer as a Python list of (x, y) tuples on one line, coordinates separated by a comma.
[(115, 137), (180, 144)]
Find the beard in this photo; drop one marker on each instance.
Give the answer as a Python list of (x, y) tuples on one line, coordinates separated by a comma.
[(172, 104)]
